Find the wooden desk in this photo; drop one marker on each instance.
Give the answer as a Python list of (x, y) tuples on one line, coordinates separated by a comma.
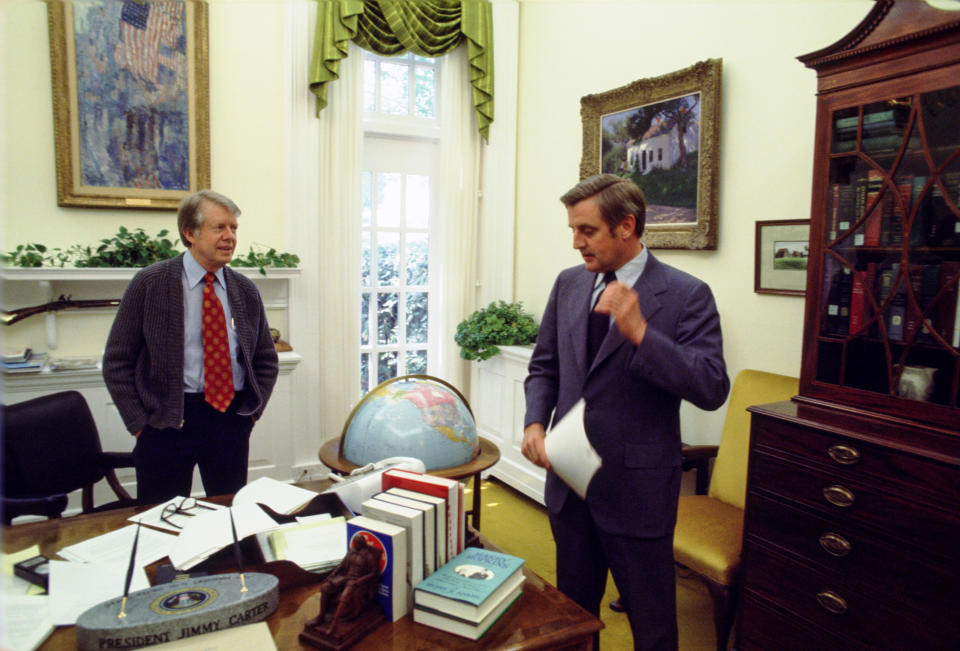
[(543, 618), (330, 455)]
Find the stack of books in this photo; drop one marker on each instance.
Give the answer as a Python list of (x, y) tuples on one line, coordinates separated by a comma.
[(470, 593), (23, 361), (418, 523)]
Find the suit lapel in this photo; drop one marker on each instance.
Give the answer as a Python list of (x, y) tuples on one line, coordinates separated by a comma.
[(574, 306)]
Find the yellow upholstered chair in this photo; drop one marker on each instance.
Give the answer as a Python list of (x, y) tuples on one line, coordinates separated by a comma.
[(709, 531)]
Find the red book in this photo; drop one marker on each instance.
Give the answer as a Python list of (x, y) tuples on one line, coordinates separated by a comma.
[(858, 303), (449, 489)]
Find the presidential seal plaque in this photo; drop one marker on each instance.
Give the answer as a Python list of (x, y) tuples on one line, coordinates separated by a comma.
[(177, 610)]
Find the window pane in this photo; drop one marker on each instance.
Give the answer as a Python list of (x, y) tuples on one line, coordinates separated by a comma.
[(388, 259), (366, 198), (365, 259), (416, 362), (387, 316), (369, 86), (425, 93), (365, 319), (418, 250), (389, 199), (418, 201), (364, 373), (417, 318), (387, 367), (394, 88)]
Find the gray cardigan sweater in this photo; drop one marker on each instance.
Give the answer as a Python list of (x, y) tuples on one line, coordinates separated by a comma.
[(143, 359)]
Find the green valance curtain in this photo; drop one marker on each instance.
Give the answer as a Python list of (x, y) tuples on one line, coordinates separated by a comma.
[(428, 28)]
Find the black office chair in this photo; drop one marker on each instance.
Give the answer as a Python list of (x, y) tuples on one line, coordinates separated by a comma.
[(51, 447)]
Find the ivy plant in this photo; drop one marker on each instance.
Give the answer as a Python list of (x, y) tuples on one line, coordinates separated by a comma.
[(129, 248), (263, 259), (500, 323)]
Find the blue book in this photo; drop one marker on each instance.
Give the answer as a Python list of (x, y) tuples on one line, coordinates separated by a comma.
[(470, 586), (391, 540)]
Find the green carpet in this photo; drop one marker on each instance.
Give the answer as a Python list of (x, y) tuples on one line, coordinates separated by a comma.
[(519, 526)]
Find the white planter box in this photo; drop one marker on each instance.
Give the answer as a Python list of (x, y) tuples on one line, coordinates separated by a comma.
[(498, 406)]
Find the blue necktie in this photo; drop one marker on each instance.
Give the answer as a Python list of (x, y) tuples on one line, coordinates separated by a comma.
[(598, 323)]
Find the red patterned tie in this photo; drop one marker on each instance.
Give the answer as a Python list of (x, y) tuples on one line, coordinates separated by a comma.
[(217, 372)]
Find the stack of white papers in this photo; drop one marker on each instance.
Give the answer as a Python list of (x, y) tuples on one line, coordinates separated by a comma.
[(279, 496), (316, 546), (211, 531)]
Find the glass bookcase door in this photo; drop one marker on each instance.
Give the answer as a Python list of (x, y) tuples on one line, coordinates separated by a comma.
[(889, 314)]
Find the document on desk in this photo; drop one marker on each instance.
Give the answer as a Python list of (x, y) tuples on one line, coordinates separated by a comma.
[(114, 547), (279, 496), (251, 637), (570, 453), (26, 621), (210, 532), (75, 587)]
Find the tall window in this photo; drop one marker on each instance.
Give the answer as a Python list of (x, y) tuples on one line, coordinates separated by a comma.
[(400, 161)]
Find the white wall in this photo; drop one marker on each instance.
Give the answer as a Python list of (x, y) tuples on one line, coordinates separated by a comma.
[(566, 49), (569, 49), (248, 109)]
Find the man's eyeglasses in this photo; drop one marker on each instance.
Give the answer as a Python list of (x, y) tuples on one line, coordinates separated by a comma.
[(186, 505)]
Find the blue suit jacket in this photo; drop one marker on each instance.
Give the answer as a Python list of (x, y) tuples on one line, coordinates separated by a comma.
[(632, 393)]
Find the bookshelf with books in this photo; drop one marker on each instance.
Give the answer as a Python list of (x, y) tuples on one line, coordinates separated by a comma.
[(858, 473), (885, 252)]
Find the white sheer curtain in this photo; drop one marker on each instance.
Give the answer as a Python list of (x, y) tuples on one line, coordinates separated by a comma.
[(338, 187), (461, 151)]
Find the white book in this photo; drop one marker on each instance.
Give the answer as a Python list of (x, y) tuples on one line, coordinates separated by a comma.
[(440, 505), (412, 521), (449, 489), (430, 512)]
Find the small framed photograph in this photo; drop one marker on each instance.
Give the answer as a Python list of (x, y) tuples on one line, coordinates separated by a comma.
[(782, 252)]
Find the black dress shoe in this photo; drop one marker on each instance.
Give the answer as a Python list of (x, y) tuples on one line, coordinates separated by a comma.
[(617, 606)]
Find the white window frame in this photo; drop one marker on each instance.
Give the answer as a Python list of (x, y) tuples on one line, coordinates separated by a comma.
[(406, 145)]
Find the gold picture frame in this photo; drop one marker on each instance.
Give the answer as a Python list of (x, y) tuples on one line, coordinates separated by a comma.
[(131, 107), (627, 130)]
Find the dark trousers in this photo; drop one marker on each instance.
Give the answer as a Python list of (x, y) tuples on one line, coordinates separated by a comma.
[(642, 570), (218, 443)]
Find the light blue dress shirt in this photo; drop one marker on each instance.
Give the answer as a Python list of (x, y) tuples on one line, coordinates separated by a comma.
[(628, 274), (193, 282)]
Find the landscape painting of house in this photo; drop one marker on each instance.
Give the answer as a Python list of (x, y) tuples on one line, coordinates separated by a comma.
[(657, 146)]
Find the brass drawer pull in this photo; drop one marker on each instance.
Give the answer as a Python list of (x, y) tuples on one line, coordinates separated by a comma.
[(832, 602), (844, 454), (835, 544), (838, 495)]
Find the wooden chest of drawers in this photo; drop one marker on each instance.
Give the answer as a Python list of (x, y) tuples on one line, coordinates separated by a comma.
[(852, 532)]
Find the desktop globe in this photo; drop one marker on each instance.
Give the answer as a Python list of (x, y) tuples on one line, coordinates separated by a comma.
[(412, 416)]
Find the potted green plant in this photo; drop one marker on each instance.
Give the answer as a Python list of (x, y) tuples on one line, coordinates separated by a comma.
[(500, 323)]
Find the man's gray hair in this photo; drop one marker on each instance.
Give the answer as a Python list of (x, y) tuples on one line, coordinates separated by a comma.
[(616, 198), (190, 215)]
